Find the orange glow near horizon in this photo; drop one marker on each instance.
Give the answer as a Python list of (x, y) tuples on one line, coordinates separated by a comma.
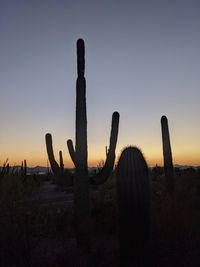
[(153, 157), (34, 150)]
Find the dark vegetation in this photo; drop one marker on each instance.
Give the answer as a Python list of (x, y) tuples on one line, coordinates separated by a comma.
[(33, 233), (129, 216)]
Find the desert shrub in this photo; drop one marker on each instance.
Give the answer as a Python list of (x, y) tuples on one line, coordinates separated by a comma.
[(17, 218), (25, 223)]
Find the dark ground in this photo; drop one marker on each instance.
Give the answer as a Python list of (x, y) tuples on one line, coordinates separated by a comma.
[(40, 232)]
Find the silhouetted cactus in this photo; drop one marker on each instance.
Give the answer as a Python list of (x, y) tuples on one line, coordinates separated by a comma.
[(25, 168), (133, 191), (61, 161), (167, 155), (106, 148), (79, 154), (48, 169), (54, 165), (62, 176), (5, 169), (22, 167)]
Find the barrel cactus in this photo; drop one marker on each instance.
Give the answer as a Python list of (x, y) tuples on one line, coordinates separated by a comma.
[(167, 155), (133, 190)]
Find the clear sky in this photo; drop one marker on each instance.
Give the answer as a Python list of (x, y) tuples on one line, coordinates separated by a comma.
[(142, 60)]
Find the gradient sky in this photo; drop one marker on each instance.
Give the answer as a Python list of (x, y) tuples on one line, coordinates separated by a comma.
[(142, 60)]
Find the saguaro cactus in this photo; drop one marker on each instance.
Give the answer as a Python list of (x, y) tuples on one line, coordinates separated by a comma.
[(133, 191), (25, 168), (54, 165), (167, 155), (62, 176), (22, 167), (61, 161), (79, 154)]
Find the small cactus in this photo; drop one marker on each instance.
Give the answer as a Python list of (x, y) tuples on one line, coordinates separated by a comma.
[(63, 176), (167, 155), (25, 168), (133, 191), (22, 167)]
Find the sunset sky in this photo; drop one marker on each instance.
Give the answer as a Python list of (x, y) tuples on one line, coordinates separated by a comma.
[(142, 60)]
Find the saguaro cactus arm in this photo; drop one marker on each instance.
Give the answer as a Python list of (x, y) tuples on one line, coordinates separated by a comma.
[(54, 165), (72, 151), (167, 155), (61, 161), (102, 176)]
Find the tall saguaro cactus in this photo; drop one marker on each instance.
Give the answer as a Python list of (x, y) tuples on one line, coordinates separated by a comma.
[(79, 154), (133, 190), (167, 155)]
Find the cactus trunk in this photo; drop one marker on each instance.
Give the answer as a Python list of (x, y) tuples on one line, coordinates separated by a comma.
[(79, 154), (167, 155), (81, 184)]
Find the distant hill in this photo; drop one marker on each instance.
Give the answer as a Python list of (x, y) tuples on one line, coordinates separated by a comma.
[(44, 170), (184, 167)]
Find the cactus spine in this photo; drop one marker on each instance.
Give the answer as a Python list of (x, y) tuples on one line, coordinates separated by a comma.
[(167, 155), (133, 190), (79, 155)]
